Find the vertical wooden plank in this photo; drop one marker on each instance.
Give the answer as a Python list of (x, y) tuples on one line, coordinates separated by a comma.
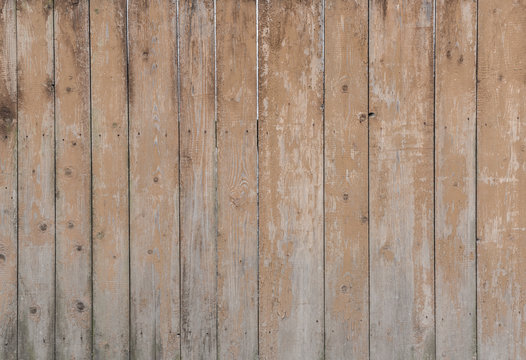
[(8, 181), (73, 180), (346, 180), (36, 174), (291, 179), (401, 179), (110, 180), (501, 180), (154, 180), (198, 180), (237, 179), (455, 129)]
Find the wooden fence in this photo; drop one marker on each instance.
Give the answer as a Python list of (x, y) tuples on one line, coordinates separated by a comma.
[(274, 179)]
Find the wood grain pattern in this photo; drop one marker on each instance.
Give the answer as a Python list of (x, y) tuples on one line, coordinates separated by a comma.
[(8, 181), (36, 185), (154, 179), (73, 181), (501, 180), (237, 247), (198, 180), (346, 171), (401, 180), (110, 233), (455, 180), (291, 179)]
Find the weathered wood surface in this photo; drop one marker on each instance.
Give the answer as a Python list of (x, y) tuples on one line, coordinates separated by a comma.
[(154, 179), (264, 179), (346, 172), (198, 179), (501, 180), (73, 181), (237, 232), (36, 180), (8, 181), (455, 179), (110, 229), (401, 180), (291, 180)]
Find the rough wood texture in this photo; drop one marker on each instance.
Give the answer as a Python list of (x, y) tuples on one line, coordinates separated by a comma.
[(237, 247), (198, 180), (455, 181), (36, 185), (73, 181), (501, 223), (291, 179), (110, 180), (401, 180), (346, 171), (8, 181), (154, 179)]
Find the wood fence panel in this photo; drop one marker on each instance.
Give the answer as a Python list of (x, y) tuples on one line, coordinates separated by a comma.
[(291, 179), (346, 180), (198, 180), (455, 178), (237, 233), (110, 229), (501, 180), (401, 180), (73, 181), (154, 180), (36, 180)]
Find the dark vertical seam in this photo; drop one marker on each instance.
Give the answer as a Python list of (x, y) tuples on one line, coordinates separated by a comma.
[(91, 176), (257, 174), (323, 185), (177, 36), (17, 173), (129, 182), (476, 178), (368, 185), (54, 189), (434, 177)]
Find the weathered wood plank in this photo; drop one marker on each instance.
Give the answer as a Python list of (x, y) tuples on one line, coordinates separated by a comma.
[(501, 180), (36, 186), (8, 181), (198, 180), (110, 232), (401, 180), (237, 179), (346, 180), (291, 179), (154, 180), (455, 129), (73, 180)]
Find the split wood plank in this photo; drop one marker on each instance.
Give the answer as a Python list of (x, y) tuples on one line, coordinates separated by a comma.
[(8, 181), (455, 179), (154, 180), (73, 181), (198, 180), (346, 180), (501, 180), (401, 180), (291, 179), (237, 248), (36, 186), (110, 190)]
